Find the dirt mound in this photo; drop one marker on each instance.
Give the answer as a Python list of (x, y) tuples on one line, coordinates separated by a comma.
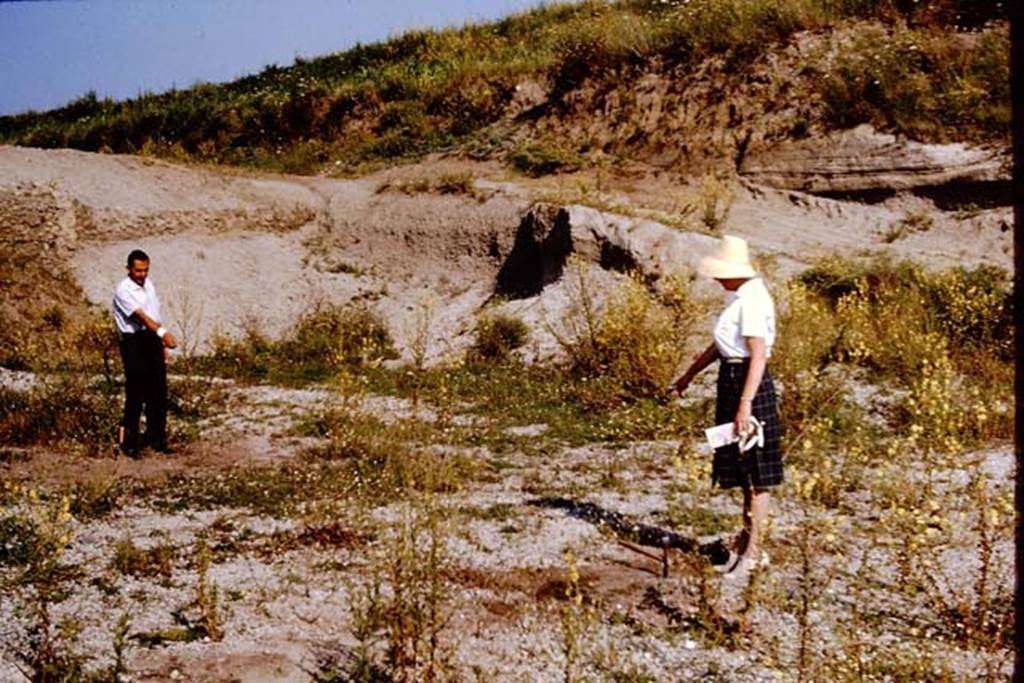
[(233, 252)]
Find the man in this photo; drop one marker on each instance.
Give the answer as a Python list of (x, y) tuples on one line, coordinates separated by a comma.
[(143, 340)]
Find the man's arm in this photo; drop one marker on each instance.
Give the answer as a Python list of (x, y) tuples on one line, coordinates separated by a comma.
[(153, 326)]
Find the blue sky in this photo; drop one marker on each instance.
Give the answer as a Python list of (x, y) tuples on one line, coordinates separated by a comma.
[(52, 52)]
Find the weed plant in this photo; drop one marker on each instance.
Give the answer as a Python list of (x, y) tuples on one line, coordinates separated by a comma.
[(910, 223), (944, 336), (401, 614), (35, 576), (577, 617), (209, 621), (447, 183), (132, 560)]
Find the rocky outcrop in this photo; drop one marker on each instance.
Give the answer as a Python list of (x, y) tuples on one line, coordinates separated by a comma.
[(549, 235), (39, 219), (863, 160)]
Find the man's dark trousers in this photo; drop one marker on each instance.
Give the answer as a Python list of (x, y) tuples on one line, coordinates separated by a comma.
[(145, 384)]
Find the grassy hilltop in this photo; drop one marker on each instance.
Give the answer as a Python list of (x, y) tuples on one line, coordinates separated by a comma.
[(531, 89)]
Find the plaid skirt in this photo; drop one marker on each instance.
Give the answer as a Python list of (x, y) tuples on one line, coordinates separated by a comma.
[(761, 466)]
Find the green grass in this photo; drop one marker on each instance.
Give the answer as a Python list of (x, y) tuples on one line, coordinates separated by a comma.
[(516, 395), (276, 491), (434, 90), (923, 82), (324, 341), (131, 560)]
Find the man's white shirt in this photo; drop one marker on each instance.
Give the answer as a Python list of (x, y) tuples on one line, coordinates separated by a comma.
[(130, 297), (750, 313)]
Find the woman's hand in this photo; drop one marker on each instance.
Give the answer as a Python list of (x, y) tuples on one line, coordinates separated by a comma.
[(743, 415), (681, 384)]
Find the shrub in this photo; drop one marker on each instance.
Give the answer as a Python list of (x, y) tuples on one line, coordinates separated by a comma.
[(68, 408), (88, 345), (946, 337), (631, 349), (892, 317), (926, 83), (497, 336), (540, 159), (322, 343), (339, 336)]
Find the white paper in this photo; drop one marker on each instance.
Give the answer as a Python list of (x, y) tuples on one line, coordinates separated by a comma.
[(725, 434), (721, 435)]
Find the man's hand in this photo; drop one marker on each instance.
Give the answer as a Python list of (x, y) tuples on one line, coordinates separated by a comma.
[(170, 341)]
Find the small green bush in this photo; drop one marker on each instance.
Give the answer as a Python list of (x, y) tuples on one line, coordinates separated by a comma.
[(540, 159), (631, 349), (339, 336), (497, 336), (69, 408), (131, 560), (323, 342)]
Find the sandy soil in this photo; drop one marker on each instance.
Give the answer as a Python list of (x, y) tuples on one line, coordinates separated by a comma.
[(288, 608)]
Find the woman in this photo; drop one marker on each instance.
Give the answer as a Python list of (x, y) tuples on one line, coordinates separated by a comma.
[(743, 339)]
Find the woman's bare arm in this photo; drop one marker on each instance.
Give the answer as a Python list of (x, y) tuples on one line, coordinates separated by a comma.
[(755, 371), (706, 358)]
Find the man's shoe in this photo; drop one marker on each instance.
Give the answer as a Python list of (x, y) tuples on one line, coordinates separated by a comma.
[(127, 443)]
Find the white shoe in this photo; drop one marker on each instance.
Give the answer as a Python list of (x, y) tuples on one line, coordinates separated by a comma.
[(728, 565), (746, 564)]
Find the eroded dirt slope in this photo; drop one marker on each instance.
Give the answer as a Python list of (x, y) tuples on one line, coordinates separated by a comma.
[(233, 251)]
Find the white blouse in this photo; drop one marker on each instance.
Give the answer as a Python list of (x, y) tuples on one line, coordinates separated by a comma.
[(749, 313)]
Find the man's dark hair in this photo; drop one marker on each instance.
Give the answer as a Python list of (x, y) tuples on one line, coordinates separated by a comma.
[(137, 255)]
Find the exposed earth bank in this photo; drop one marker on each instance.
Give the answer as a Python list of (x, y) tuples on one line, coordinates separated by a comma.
[(234, 252)]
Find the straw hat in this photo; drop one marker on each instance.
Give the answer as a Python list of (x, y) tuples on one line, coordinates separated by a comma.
[(730, 260)]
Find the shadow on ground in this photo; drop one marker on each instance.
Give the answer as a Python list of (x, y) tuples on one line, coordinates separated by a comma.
[(633, 532)]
